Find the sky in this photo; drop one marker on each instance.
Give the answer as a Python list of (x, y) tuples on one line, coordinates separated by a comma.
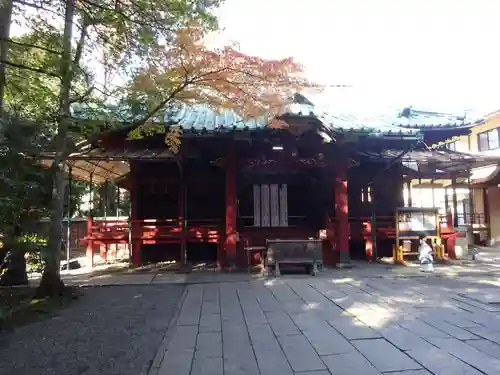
[(437, 55), (440, 55)]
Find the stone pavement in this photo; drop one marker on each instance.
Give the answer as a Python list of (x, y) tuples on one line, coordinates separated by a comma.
[(361, 269), (344, 325)]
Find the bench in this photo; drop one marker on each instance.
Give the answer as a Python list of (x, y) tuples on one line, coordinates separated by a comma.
[(306, 253)]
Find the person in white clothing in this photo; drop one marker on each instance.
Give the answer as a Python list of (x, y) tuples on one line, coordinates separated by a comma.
[(425, 256)]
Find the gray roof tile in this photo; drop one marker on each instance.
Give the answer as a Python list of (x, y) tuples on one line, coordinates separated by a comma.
[(201, 118), (412, 118)]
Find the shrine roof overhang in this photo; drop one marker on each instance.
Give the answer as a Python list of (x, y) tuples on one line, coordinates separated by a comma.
[(431, 163), (203, 120), (101, 165), (424, 120)]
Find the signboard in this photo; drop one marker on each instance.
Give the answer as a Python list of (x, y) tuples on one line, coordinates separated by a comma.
[(413, 222)]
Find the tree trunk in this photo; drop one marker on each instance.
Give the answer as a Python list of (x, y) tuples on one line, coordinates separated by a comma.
[(14, 272), (5, 21), (13, 268), (51, 283)]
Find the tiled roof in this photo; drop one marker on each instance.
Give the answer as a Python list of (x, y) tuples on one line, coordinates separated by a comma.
[(348, 122), (441, 160), (201, 118), (411, 118)]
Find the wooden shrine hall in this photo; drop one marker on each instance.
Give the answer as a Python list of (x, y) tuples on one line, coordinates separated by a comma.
[(235, 183)]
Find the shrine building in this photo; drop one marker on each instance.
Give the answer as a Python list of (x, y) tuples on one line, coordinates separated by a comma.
[(235, 183)]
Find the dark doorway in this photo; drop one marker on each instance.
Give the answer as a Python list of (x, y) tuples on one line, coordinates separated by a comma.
[(357, 249), (202, 253), (160, 253)]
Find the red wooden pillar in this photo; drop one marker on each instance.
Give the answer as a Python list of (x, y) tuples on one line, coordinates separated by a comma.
[(136, 227), (181, 223), (90, 241), (369, 249), (342, 217), (450, 246), (329, 251), (231, 204)]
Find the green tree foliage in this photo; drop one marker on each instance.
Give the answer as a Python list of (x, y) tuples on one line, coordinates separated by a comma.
[(24, 193), (49, 73), (158, 46), (24, 188)]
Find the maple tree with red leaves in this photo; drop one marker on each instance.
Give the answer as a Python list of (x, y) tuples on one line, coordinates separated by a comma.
[(189, 72)]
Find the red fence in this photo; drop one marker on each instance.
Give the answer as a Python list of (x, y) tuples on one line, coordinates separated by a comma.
[(152, 231), (210, 230)]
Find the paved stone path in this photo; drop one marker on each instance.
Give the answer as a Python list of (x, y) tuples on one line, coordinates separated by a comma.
[(340, 326), (361, 270)]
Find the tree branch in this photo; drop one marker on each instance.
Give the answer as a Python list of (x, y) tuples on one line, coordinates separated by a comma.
[(80, 45), (10, 41), (162, 104), (36, 70), (36, 6), (82, 97)]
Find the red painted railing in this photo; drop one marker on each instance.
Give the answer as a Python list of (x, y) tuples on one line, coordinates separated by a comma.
[(386, 226), (152, 230), (210, 230)]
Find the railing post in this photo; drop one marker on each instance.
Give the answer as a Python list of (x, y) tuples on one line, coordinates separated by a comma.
[(454, 202), (106, 185), (68, 222), (470, 229), (90, 240), (129, 221), (90, 225)]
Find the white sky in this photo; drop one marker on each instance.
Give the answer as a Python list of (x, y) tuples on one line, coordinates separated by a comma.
[(441, 55), (434, 54)]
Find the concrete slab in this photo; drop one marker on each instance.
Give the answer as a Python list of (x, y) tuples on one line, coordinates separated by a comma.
[(177, 362), (421, 328), (440, 362), (191, 308), (353, 329), (486, 346), (411, 372), (326, 340), (281, 323), (404, 339), (486, 333), (439, 323), (209, 345), (207, 366), (210, 323), (298, 325), (169, 278), (349, 364), (385, 356), (469, 355), (487, 297), (134, 279), (183, 337), (270, 356), (300, 353)]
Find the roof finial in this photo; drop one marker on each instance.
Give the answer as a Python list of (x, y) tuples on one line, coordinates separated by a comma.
[(406, 112)]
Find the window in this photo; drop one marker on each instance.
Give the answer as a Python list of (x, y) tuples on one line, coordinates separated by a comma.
[(270, 205), (452, 146), (488, 140), (463, 210), (366, 194)]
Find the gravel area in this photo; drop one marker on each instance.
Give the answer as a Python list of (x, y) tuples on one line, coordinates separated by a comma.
[(110, 330)]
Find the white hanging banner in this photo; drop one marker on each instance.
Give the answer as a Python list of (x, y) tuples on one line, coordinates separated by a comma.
[(275, 206), (266, 222), (283, 206), (256, 205)]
